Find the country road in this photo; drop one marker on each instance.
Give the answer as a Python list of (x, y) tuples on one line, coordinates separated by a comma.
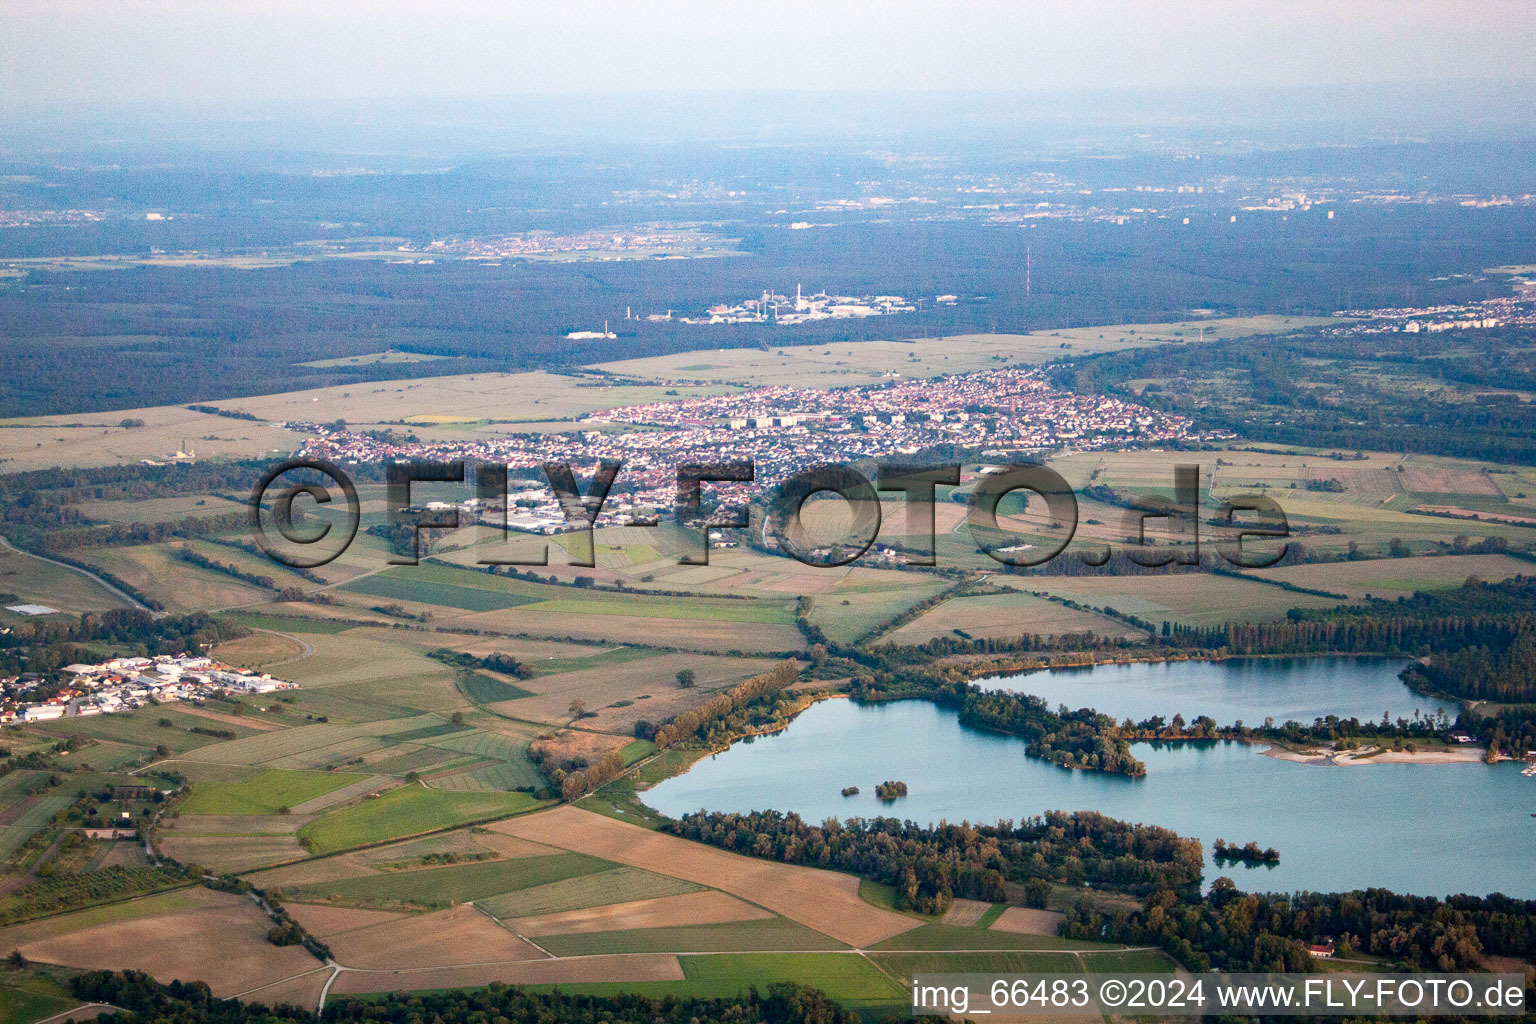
[(126, 598)]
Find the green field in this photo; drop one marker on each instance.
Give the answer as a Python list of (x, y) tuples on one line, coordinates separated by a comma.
[(846, 977), (513, 771), (620, 885), (25, 997), (404, 588), (905, 965), (142, 728), (405, 812), (268, 793), (290, 624), (482, 689), (1140, 961), (443, 887)]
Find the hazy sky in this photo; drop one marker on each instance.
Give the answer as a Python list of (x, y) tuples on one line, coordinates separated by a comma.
[(136, 50)]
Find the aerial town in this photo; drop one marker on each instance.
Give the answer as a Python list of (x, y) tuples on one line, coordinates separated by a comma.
[(770, 307), (121, 684), (780, 430), (634, 241), (1518, 310)]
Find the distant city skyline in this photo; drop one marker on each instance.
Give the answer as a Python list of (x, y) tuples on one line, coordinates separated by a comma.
[(82, 52)]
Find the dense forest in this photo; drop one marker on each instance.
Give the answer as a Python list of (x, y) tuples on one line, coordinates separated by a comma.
[(932, 865), (1425, 393), (1236, 931), (144, 336), (145, 1001)]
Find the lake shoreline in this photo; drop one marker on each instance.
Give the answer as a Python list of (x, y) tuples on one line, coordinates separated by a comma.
[(1330, 758), (1198, 789)]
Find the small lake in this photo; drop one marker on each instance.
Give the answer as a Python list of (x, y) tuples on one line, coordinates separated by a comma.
[(1426, 829), (1240, 689)]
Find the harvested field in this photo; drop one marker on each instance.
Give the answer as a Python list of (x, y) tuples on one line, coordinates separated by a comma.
[(823, 900), (619, 885), (645, 967), (234, 825), (224, 942), (368, 862), (1447, 481), (323, 922), (160, 904), (464, 842), (694, 634), (462, 935), (694, 908), (1396, 577), (602, 685), (1196, 599), (312, 872), (234, 853), (335, 798), (1027, 921), (303, 991), (964, 913), (769, 933), (445, 886), (1374, 485), (1007, 615), (228, 719)]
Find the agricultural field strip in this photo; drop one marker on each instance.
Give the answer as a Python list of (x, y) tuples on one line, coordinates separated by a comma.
[(426, 581), (863, 953), (618, 884), (441, 886), (823, 901), (304, 741)]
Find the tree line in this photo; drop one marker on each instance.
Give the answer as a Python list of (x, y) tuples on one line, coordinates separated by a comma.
[(931, 865), (1236, 931), (721, 715)]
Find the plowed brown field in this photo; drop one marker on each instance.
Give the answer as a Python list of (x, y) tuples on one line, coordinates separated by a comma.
[(824, 900)]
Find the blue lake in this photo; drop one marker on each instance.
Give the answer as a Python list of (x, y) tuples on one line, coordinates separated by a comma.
[(1427, 829), (1241, 689)]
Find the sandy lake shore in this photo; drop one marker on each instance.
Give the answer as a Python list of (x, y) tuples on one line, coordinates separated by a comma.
[(1374, 755)]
